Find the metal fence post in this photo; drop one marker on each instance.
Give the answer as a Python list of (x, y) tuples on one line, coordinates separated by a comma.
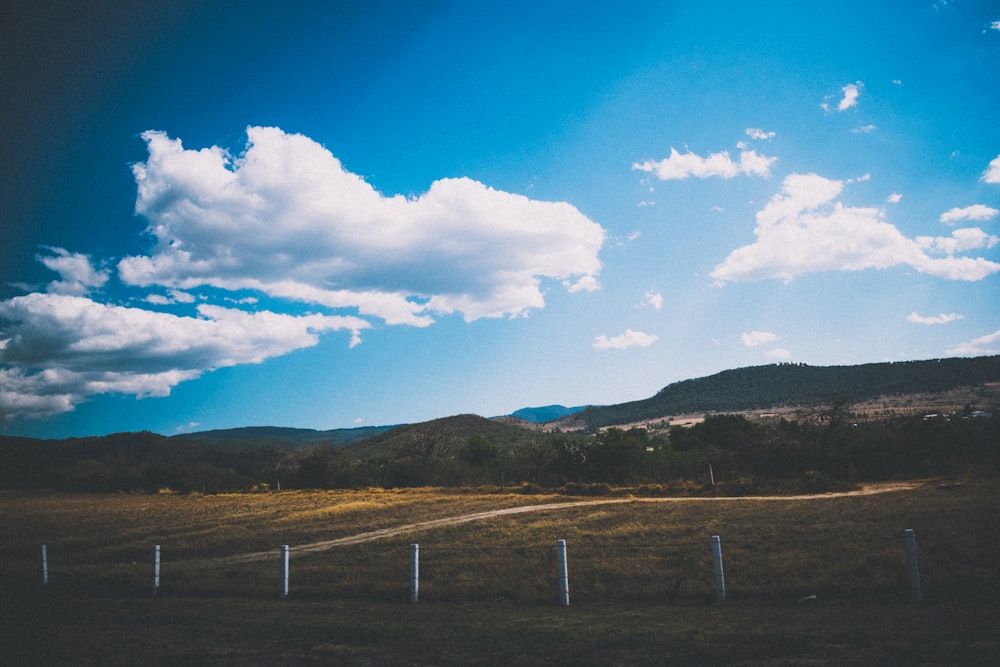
[(156, 569), (914, 567), (720, 577), (45, 566), (563, 573), (284, 570), (414, 572)]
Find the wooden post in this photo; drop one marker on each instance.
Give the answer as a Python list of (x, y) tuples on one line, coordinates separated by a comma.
[(45, 566), (720, 577), (711, 477), (156, 569), (911, 553), (284, 570), (563, 573), (414, 572)]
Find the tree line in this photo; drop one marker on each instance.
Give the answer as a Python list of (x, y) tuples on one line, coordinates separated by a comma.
[(740, 455)]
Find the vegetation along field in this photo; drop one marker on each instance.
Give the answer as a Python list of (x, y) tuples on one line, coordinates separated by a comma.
[(822, 580)]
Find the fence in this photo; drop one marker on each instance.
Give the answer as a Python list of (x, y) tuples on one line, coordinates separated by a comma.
[(599, 570)]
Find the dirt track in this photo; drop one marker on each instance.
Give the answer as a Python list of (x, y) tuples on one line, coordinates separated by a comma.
[(325, 545)]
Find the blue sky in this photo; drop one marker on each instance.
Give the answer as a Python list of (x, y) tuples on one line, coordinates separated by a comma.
[(324, 215)]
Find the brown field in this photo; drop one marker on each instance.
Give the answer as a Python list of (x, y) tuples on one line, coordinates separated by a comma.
[(809, 581)]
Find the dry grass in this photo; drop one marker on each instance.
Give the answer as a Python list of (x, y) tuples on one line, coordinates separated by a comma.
[(640, 573)]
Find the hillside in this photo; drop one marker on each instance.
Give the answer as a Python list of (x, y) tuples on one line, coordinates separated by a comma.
[(468, 449), (545, 413), (438, 438), (251, 437), (796, 385)]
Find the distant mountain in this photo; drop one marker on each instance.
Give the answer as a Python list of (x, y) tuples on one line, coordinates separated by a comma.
[(790, 385), (437, 437), (282, 437), (545, 413)]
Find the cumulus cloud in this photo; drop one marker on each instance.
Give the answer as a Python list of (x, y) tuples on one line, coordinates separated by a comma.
[(759, 134), (625, 341), (77, 272), (894, 198), (803, 229), (961, 240), (982, 346), (680, 166), (975, 212), (287, 219), (755, 338), (851, 93), (654, 299), (61, 348), (282, 220), (933, 319), (992, 173)]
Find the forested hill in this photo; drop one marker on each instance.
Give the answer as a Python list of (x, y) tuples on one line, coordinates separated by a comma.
[(761, 387)]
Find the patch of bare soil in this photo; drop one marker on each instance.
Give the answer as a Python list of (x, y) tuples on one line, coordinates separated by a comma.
[(325, 545)]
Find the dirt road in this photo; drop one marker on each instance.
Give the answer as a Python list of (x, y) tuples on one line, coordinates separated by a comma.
[(325, 545)]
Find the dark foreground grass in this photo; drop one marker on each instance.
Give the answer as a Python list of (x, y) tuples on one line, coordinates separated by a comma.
[(57, 630)]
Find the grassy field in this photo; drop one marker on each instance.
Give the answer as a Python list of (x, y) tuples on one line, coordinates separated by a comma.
[(821, 581)]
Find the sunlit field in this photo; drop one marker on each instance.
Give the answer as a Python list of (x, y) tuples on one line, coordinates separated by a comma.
[(818, 581)]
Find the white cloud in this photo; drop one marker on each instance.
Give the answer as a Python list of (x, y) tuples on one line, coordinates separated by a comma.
[(755, 338), (851, 93), (680, 166), (287, 219), (864, 129), (995, 25), (992, 173), (804, 230), (627, 340), (172, 296), (974, 212), (759, 134), (894, 198), (654, 299), (61, 349), (778, 354), (982, 346), (961, 240), (933, 319), (76, 270), (183, 297)]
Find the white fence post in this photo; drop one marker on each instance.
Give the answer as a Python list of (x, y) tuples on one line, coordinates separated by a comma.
[(156, 569), (284, 570), (414, 572), (45, 566), (911, 553), (563, 573), (720, 577)]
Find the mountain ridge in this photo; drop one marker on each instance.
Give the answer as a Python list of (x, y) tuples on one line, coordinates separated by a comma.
[(733, 390), (789, 384)]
